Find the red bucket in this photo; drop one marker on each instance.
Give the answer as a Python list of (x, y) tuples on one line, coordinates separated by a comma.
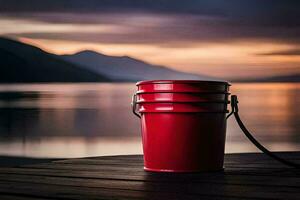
[(183, 131)]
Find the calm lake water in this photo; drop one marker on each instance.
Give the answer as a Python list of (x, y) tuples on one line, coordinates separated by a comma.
[(76, 120)]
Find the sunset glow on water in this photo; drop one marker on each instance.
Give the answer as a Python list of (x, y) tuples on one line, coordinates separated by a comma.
[(79, 120)]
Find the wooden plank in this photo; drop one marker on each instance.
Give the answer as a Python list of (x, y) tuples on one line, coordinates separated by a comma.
[(21, 197), (66, 192), (140, 165), (242, 171), (272, 165), (245, 158), (205, 178), (140, 162), (193, 188), (99, 162), (73, 192), (246, 176), (139, 170), (233, 156)]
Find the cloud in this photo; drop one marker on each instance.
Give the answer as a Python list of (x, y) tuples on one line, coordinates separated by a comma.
[(290, 52), (250, 12), (161, 22), (157, 29)]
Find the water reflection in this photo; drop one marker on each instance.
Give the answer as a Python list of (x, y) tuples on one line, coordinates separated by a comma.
[(72, 120), (66, 147)]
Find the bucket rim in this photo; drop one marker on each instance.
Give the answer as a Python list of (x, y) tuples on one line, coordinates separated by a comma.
[(181, 92), (180, 81), (186, 112), (181, 102)]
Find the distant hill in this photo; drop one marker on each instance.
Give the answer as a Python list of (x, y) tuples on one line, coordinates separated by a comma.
[(125, 68), (285, 78), (20, 62)]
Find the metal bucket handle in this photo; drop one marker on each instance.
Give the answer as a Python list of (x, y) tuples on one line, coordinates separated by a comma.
[(235, 113), (133, 106)]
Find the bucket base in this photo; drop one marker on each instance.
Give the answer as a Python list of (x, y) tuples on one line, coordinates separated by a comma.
[(181, 171)]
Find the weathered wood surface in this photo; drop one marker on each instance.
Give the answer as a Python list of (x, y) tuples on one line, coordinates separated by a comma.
[(246, 176)]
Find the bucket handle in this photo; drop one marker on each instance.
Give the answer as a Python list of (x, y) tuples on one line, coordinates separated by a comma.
[(133, 105), (235, 113)]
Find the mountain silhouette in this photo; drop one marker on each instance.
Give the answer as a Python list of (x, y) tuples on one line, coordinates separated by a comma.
[(124, 68), (21, 62), (283, 78), (286, 78)]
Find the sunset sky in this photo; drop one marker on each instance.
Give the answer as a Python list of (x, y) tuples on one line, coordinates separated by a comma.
[(223, 38)]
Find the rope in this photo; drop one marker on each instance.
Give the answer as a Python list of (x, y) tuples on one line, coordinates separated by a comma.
[(235, 112)]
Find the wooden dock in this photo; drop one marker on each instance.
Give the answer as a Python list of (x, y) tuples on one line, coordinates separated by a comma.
[(246, 176)]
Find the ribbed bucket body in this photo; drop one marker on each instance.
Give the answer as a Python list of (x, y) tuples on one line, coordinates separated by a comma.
[(182, 97), (183, 124)]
